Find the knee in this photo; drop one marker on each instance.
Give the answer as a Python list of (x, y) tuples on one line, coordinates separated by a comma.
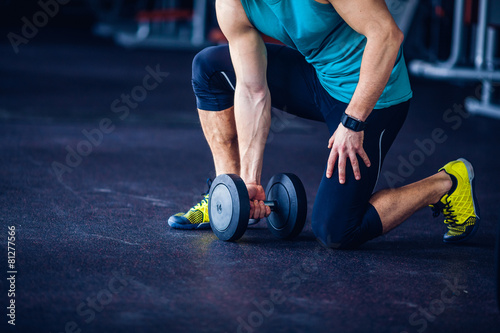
[(333, 235), (227, 139), (326, 237), (211, 85), (203, 65)]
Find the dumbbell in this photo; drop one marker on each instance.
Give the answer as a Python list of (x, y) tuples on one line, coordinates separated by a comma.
[(229, 206)]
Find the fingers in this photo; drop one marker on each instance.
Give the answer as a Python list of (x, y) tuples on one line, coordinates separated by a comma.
[(355, 166), (364, 157), (258, 209), (262, 210), (330, 165), (346, 145), (342, 163), (251, 209)]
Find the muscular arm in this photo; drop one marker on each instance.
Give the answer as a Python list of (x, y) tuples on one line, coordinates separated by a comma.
[(252, 102), (372, 19)]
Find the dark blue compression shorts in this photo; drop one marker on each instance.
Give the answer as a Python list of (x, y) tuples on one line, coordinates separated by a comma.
[(342, 216)]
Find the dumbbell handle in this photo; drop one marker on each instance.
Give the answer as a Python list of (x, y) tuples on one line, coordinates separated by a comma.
[(271, 204)]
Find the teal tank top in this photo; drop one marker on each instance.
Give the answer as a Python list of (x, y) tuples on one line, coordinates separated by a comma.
[(328, 43)]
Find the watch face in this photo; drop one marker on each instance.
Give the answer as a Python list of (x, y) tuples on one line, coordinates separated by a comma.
[(351, 123)]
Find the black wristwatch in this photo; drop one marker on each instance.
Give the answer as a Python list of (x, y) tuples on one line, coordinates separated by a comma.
[(352, 123)]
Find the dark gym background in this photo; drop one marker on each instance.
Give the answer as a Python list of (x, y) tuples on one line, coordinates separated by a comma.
[(93, 251)]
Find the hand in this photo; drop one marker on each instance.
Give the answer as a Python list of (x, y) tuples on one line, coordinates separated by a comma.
[(257, 196), (346, 143)]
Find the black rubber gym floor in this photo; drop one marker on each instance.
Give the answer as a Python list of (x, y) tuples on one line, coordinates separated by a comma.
[(89, 177)]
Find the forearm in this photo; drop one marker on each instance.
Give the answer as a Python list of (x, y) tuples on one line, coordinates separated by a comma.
[(376, 66), (253, 120)]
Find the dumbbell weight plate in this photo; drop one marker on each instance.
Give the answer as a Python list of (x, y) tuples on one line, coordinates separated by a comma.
[(228, 207), (289, 215)]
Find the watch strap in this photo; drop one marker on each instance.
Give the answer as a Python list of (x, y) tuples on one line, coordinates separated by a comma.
[(352, 123)]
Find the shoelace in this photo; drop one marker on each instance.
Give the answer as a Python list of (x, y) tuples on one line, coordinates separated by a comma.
[(201, 203), (205, 196), (447, 209), (449, 214), (437, 209), (209, 184)]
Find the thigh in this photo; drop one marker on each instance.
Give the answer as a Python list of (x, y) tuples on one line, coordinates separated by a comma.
[(339, 214), (292, 82), (339, 208)]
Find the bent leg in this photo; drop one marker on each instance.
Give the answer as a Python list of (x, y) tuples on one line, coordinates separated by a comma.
[(343, 216), (214, 92), (348, 215), (396, 205)]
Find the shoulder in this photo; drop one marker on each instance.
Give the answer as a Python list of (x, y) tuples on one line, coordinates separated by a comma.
[(232, 16), (367, 17)]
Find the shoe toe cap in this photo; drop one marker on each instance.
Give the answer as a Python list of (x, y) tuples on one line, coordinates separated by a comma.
[(176, 220), (452, 237)]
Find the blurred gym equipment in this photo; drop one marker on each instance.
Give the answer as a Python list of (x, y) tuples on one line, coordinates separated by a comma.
[(178, 24), (483, 48), (171, 24)]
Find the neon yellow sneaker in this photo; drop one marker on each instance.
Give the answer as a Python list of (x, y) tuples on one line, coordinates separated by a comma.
[(195, 218), (459, 206)]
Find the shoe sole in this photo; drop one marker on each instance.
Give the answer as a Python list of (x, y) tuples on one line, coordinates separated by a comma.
[(472, 182)]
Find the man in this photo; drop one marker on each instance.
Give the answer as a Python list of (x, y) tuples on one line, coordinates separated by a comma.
[(343, 66)]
